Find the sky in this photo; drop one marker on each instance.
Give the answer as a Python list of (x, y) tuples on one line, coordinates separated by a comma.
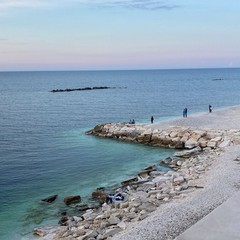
[(118, 34)]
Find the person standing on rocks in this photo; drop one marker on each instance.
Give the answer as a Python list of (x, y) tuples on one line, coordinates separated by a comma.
[(152, 118), (210, 108), (185, 112)]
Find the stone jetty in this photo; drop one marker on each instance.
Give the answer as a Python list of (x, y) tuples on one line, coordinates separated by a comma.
[(150, 188), (173, 137)]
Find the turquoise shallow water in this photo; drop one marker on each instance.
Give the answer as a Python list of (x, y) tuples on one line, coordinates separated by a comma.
[(43, 148)]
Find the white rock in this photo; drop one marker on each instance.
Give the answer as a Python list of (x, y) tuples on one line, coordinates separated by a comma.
[(178, 180), (191, 143), (225, 144), (113, 220), (155, 131), (77, 219), (147, 132), (173, 134), (212, 144), (216, 139), (122, 225), (106, 207), (89, 215), (160, 179), (90, 234), (161, 196)]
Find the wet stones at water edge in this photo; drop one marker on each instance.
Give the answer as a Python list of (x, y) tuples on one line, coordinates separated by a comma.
[(145, 194), (82, 89), (72, 199)]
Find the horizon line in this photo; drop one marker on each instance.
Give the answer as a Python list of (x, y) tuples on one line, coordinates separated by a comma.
[(115, 70)]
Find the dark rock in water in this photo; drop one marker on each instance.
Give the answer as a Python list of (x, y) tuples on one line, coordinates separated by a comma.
[(166, 161), (63, 213), (50, 199), (146, 171), (151, 168), (72, 199)]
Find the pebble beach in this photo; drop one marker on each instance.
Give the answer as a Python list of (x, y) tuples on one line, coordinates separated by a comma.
[(202, 175)]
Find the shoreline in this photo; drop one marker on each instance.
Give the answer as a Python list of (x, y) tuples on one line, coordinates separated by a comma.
[(180, 212), (220, 183)]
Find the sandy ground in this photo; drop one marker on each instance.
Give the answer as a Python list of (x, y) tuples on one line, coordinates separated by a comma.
[(221, 182)]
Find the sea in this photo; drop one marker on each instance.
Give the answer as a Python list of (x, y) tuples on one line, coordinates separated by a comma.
[(43, 146)]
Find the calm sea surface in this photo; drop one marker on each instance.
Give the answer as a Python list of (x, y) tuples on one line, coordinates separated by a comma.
[(43, 149)]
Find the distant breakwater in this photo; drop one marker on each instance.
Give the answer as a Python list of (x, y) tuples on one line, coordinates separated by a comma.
[(82, 89)]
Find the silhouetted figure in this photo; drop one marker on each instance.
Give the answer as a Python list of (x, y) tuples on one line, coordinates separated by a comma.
[(185, 112), (133, 121), (210, 108), (152, 119)]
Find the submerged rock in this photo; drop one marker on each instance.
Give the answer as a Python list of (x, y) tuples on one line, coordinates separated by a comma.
[(100, 195), (50, 199), (72, 199), (49, 231)]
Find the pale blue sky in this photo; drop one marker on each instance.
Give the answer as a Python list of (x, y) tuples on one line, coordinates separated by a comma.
[(118, 34)]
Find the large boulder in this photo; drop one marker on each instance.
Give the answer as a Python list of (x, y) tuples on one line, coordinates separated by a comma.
[(99, 129), (187, 153), (110, 232), (144, 138), (113, 220), (191, 143), (155, 140), (166, 141)]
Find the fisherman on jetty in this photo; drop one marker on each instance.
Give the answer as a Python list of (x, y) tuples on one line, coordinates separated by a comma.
[(185, 112), (152, 118), (210, 108)]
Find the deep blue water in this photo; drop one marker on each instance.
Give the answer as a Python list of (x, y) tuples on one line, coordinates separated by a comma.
[(43, 148)]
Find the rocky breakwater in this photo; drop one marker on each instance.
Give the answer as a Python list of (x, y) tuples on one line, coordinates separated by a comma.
[(82, 89), (173, 137), (149, 188)]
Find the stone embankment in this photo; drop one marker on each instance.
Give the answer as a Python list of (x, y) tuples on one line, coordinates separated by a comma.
[(150, 188)]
